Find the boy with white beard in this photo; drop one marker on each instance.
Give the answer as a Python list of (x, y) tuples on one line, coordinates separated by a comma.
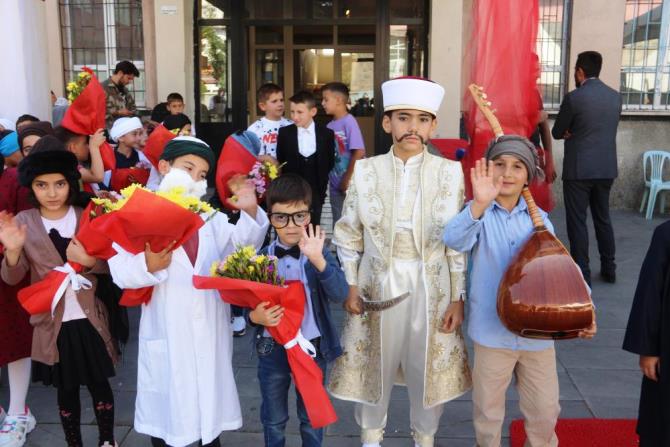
[(185, 388)]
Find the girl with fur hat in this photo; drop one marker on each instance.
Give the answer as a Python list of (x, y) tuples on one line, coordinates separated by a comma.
[(16, 332), (72, 347)]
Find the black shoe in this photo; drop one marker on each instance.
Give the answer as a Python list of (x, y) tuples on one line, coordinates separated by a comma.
[(608, 276)]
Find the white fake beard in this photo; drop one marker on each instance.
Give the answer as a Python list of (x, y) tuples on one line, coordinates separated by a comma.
[(178, 177)]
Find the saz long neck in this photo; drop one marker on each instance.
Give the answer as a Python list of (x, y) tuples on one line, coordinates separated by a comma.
[(538, 223)]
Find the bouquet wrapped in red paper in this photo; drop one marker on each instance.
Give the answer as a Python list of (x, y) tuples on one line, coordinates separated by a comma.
[(86, 113), (140, 217), (153, 149), (123, 178), (246, 279), (238, 156)]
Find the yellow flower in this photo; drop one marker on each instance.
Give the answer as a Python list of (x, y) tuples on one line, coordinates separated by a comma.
[(272, 173), (251, 269), (213, 269), (260, 259), (128, 191), (248, 251)]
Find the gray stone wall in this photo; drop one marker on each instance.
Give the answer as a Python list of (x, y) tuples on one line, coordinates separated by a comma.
[(635, 136)]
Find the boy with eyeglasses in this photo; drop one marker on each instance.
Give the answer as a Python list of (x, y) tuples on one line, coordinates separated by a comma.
[(302, 257)]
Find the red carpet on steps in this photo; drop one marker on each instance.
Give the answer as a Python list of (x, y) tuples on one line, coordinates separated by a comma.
[(585, 433)]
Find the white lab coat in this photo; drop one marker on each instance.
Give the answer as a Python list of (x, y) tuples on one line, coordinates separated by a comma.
[(185, 386)]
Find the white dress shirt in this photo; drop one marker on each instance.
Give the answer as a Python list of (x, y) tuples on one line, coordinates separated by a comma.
[(307, 140)]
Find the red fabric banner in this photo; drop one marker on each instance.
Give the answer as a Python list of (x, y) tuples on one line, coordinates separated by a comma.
[(306, 373), (501, 58)]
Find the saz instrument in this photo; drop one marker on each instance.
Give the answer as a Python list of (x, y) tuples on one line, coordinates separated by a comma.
[(542, 294)]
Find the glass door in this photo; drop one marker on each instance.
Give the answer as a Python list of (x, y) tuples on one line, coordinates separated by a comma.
[(358, 72), (220, 105), (313, 68)]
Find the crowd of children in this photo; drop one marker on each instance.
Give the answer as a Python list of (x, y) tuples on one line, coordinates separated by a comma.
[(186, 389)]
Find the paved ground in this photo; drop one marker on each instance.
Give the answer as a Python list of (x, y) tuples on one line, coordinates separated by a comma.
[(597, 378)]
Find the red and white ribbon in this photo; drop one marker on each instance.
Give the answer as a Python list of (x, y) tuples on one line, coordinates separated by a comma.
[(72, 278), (307, 346)]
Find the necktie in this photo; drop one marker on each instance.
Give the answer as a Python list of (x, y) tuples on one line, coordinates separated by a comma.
[(294, 251)]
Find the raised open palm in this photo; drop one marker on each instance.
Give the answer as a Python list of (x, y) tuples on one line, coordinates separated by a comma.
[(312, 241), (12, 235), (484, 188)]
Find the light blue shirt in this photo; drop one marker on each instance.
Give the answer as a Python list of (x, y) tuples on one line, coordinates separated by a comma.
[(292, 269), (492, 240)]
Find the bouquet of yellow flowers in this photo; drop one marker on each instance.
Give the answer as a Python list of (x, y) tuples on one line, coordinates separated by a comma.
[(142, 217), (175, 195), (245, 264), (138, 218), (248, 279), (74, 88), (262, 173)]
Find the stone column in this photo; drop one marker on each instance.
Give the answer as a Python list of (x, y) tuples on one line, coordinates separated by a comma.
[(446, 62), (24, 76)]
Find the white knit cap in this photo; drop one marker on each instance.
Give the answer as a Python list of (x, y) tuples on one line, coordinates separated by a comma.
[(412, 93), (123, 126)]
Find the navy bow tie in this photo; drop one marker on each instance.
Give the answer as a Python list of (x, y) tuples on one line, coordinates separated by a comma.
[(294, 251)]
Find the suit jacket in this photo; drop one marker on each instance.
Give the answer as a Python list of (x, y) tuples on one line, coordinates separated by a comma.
[(591, 114), (287, 152)]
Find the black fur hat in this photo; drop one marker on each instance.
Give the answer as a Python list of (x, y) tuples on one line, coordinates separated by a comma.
[(49, 162)]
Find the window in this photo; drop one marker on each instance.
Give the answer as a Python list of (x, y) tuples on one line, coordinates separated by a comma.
[(644, 60), (406, 51), (100, 33), (551, 49)]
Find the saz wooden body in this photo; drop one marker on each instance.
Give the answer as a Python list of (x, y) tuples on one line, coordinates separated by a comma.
[(542, 294)]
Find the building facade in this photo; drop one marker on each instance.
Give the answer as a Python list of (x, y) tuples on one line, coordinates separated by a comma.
[(217, 52)]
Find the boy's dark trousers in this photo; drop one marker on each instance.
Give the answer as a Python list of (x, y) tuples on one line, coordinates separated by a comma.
[(274, 375)]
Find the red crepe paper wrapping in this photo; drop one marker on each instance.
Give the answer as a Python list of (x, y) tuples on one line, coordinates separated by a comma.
[(501, 58), (237, 158), (153, 149), (307, 375), (86, 115), (38, 297), (145, 218), (121, 177)]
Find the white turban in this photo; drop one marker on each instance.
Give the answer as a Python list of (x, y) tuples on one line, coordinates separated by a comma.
[(123, 126), (412, 93)]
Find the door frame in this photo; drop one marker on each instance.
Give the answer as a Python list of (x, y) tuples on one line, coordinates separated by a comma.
[(243, 60), (216, 133)]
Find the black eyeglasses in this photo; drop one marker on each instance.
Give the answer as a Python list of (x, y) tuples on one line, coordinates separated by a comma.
[(280, 220)]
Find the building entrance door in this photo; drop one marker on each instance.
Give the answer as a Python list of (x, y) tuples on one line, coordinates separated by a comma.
[(308, 57)]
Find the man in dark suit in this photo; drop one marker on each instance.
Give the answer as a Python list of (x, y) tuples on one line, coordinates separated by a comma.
[(588, 121), (307, 149)]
